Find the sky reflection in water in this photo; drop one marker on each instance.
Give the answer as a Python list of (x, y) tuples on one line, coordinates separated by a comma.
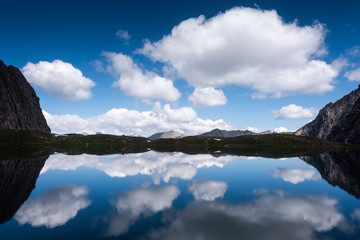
[(177, 196)]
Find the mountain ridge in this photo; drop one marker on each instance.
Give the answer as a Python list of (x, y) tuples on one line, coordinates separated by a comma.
[(225, 133), (339, 121)]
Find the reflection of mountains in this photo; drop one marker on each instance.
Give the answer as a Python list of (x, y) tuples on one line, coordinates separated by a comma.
[(339, 169), (17, 180)]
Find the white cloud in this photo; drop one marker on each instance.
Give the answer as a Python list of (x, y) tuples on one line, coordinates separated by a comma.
[(54, 207), (59, 79), (124, 121), (293, 111), (250, 48), (353, 75), (160, 166), (281, 129), (141, 200), (208, 190), (269, 216), (296, 175), (123, 34), (131, 205), (207, 97), (136, 82)]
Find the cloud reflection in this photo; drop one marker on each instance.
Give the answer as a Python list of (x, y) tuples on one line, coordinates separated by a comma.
[(158, 165), (296, 175), (208, 190), (54, 207), (131, 205), (270, 216)]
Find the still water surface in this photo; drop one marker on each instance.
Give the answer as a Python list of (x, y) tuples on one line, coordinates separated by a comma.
[(177, 196)]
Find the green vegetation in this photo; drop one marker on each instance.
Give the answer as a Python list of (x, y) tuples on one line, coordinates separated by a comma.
[(23, 142)]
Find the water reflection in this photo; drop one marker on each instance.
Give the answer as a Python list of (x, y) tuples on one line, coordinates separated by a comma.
[(17, 180), (339, 169), (131, 205), (276, 215), (54, 207), (296, 175), (207, 190), (158, 165), (235, 199)]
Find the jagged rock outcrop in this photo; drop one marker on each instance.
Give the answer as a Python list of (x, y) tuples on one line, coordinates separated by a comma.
[(17, 180), (339, 121), (339, 169), (168, 134), (19, 105), (224, 133)]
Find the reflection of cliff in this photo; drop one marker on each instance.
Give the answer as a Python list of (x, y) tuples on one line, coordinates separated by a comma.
[(17, 180), (339, 169)]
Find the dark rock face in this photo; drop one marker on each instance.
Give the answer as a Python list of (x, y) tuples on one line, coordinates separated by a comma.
[(224, 133), (339, 169), (17, 180), (19, 105), (339, 121)]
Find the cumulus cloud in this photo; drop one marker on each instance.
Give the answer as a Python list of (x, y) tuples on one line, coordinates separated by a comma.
[(131, 205), (160, 166), (125, 121), (208, 190), (123, 34), (59, 79), (207, 97), (54, 207), (293, 111), (250, 48), (136, 82), (296, 175), (270, 216), (353, 75)]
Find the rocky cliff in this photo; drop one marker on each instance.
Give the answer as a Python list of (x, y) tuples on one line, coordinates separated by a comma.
[(339, 121), (19, 105)]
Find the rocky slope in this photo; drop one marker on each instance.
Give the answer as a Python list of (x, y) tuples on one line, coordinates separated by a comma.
[(224, 133), (168, 134), (339, 121), (19, 105)]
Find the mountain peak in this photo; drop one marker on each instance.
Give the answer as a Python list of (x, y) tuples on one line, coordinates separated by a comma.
[(168, 134)]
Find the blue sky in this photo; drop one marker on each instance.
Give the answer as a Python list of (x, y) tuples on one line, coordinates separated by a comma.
[(138, 67)]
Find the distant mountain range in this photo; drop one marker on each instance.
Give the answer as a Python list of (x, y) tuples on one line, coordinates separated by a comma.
[(213, 133), (225, 134)]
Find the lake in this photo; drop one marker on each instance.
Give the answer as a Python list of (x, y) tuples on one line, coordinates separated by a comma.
[(155, 195)]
